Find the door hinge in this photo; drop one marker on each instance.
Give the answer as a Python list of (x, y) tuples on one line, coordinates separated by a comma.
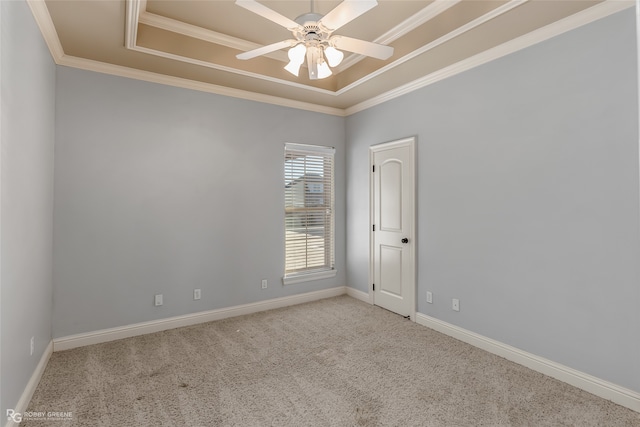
[(374, 168), (374, 286), (374, 227)]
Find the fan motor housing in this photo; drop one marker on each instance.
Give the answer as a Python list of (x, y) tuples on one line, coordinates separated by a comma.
[(312, 29)]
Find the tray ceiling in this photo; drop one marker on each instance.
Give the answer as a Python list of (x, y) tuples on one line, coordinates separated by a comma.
[(194, 43)]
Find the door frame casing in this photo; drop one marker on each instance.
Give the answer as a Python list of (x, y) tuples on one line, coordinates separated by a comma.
[(404, 142)]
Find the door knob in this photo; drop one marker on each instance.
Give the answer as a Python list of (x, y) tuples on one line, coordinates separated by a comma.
[(405, 240)]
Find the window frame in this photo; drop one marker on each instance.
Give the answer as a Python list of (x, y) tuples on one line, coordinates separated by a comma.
[(329, 269)]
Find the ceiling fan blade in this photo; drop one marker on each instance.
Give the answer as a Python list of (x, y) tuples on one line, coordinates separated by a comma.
[(346, 12), (266, 49), (267, 13), (362, 47)]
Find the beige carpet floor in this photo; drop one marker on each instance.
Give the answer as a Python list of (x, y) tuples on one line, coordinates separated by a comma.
[(335, 362)]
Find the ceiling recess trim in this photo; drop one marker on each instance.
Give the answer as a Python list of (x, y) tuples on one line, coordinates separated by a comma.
[(133, 16), (175, 57), (512, 4), (601, 10), (194, 31), (405, 27)]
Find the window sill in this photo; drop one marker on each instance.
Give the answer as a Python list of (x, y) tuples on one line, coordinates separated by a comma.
[(307, 277)]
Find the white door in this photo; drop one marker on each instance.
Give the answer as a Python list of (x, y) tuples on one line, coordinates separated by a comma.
[(393, 226)]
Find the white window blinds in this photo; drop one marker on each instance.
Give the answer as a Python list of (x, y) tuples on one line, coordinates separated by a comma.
[(309, 206)]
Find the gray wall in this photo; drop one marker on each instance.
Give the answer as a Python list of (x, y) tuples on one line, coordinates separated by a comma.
[(27, 136), (164, 190), (527, 198)]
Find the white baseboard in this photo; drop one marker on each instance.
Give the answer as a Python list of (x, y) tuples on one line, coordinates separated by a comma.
[(601, 388), (362, 296), (112, 334), (607, 390), (27, 394)]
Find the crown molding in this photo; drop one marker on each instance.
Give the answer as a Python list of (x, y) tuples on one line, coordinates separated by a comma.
[(512, 4), (200, 33), (428, 13), (425, 15), (48, 30), (231, 70), (131, 23), (132, 73), (599, 11)]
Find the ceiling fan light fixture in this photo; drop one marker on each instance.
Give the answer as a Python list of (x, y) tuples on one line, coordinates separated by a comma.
[(334, 56), (314, 37), (318, 67)]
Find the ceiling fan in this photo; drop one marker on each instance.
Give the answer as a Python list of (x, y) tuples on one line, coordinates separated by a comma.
[(314, 37)]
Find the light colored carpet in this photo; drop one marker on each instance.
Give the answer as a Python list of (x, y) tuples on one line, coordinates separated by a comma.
[(335, 362)]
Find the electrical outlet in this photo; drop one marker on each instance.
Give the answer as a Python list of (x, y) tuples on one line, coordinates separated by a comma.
[(429, 297), (158, 300), (455, 304), (33, 345), (196, 294), (264, 283)]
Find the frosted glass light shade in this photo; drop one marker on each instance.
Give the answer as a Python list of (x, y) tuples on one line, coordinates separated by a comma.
[(323, 70), (293, 68), (334, 56), (296, 53), (296, 58)]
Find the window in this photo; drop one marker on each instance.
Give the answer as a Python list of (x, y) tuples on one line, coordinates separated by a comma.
[(308, 211)]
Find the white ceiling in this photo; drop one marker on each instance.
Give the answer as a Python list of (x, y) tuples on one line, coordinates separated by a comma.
[(193, 44)]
